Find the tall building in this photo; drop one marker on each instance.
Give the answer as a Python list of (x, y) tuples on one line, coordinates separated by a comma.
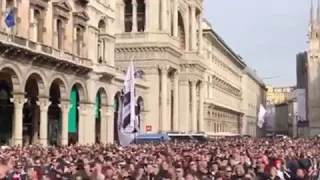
[(63, 62), (223, 84), (276, 95), (57, 71), (164, 39), (253, 95), (313, 71)]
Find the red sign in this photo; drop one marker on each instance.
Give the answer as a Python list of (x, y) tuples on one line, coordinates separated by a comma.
[(148, 128)]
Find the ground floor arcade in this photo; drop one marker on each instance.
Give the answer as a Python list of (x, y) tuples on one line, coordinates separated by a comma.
[(48, 107)]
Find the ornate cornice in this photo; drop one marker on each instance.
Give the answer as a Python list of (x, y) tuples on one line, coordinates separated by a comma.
[(226, 86)]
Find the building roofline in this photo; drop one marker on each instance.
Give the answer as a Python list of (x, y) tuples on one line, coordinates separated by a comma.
[(224, 44)]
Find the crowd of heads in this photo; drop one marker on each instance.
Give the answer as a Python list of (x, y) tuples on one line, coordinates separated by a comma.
[(219, 159)]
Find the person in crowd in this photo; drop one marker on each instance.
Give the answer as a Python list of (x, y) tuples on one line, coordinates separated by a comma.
[(224, 159)]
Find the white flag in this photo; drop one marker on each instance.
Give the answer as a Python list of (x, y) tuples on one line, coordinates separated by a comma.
[(127, 121), (261, 116)]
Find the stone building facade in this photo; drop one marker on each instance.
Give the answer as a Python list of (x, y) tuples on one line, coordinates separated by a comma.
[(313, 65), (253, 95), (223, 84), (164, 40), (57, 47)]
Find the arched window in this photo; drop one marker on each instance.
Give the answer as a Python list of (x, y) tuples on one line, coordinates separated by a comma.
[(60, 34), (141, 15), (38, 26), (101, 44), (128, 16), (79, 40), (181, 33)]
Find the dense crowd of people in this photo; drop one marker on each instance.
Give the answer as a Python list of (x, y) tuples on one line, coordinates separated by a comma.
[(220, 159)]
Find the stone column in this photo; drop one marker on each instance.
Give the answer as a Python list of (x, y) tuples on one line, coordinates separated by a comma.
[(164, 15), (194, 105), (147, 15), (90, 124), (18, 101), (187, 30), (110, 124), (201, 108), (200, 45), (175, 18), (184, 98), (55, 33), (193, 28), (82, 123), (32, 25), (164, 104), (121, 7), (175, 102), (2, 15), (65, 107), (134, 16), (44, 104), (104, 117)]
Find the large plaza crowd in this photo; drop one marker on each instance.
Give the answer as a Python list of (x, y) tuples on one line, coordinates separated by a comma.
[(220, 159)]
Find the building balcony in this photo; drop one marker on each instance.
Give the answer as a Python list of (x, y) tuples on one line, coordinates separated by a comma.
[(39, 51)]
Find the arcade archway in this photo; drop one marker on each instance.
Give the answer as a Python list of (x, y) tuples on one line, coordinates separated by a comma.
[(31, 112), (9, 82), (76, 92), (57, 88), (101, 100), (6, 110)]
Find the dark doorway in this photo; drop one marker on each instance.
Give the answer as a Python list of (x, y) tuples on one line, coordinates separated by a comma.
[(6, 112)]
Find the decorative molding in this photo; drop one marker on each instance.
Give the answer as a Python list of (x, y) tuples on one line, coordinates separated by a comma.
[(39, 4), (62, 9), (80, 19)]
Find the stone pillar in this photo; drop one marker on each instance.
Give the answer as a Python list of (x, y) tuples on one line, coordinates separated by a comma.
[(200, 36), (164, 104), (187, 30), (65, 107), (44, 104), (32, 25), (90, 124), (184, 98), (35, 126), (175, 102), (121, 7), (82, 109), (134, 16), (104, 118), (194, 105), (2, 15), (18, 101), (110, 124), (175, 18), (193, 28), (147, 15), (164, 15), (201, 107)]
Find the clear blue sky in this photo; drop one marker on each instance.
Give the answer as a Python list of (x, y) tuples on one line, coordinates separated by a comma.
[(267, 34)]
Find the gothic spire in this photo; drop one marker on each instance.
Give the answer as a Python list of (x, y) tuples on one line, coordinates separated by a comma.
[(318, 12), (311, 12)]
